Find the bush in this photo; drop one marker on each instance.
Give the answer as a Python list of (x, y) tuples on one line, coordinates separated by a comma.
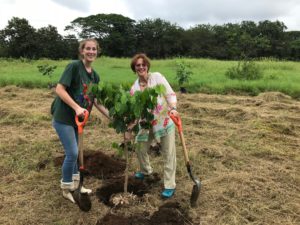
[(183, 72), (46, 69), (245, 70)]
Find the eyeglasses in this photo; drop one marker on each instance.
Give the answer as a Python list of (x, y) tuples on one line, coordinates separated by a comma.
[(141, 65), (89, 48)]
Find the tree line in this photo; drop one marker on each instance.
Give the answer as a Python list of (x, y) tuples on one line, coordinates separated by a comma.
[(121, 36)]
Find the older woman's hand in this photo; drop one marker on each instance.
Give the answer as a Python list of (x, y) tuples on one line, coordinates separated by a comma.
[(174, 112), (128, 135)]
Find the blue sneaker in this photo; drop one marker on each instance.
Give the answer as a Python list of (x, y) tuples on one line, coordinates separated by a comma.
[(168, 193), (139, 176)]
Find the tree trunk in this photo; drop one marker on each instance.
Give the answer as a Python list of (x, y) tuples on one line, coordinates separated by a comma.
[(126, 168)]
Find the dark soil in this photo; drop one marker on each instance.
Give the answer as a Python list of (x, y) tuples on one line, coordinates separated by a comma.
[(170, 213), (116, 185), (99, 165)]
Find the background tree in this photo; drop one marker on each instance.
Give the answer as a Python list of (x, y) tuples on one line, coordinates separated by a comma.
[(198, 41), (273, 33), (18, 38), (114, 31), (293, 47), (121, 36), (247, 40), (158, 38), (49, 43), (70, 43)]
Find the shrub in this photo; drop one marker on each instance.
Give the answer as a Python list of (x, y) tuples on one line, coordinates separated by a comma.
[(46, 69), (183, 72), (245, 70)]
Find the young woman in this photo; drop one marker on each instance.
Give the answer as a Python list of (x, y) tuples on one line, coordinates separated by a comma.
[(163, 127), (72, 99)]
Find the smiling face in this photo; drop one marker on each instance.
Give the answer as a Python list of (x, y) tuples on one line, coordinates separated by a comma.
[(89, 52), (141, 68)]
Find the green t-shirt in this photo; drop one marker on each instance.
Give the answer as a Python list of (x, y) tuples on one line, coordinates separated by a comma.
[(74, 78)]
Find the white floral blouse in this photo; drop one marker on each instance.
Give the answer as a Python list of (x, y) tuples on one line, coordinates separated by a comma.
[(162, 123)]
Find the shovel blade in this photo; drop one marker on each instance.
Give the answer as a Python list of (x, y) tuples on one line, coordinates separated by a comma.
[(195, 193), (82, 200)]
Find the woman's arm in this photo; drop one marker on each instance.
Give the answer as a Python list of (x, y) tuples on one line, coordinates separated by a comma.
[(63, 94), (170, 95), (102, 109)]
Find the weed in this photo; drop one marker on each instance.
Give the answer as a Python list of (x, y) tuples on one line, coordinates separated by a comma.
[(245, 70)]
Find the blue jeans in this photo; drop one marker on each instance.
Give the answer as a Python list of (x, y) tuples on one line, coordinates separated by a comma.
[(68, 136)]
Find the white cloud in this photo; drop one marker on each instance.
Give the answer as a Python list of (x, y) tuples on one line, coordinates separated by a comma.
[(59, 13), (79, 5), (213, 11)]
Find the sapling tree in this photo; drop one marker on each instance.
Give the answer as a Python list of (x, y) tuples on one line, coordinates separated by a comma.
[(47, 70), (183, 74), (126, 109)]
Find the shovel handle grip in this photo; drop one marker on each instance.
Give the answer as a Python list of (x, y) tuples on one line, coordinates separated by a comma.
[(177, 121), (80, 124)]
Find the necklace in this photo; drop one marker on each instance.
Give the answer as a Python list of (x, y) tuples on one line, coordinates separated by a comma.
[(143, 84)]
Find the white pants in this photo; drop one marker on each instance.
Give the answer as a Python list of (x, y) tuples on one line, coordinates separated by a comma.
[(169, 155)]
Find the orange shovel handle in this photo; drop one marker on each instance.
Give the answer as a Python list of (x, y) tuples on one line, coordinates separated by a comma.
[(80, 124)]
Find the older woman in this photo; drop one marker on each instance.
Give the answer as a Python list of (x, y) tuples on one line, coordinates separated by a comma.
[(163, 127)]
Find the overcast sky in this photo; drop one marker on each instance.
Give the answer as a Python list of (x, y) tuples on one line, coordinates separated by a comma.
[(185, 13)]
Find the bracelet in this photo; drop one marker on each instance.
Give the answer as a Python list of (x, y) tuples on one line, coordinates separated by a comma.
[(173, 108)]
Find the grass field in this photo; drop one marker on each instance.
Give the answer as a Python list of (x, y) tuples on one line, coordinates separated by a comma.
[(208, 75)]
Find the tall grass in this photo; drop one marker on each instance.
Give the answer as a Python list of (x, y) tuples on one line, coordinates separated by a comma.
[(208, 75)]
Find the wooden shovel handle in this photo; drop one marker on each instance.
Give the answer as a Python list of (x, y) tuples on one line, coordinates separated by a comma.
[(178, 123)]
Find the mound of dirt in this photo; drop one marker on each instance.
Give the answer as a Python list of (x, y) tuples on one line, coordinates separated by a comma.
[(99, 165), (111, 219), (170, 213)]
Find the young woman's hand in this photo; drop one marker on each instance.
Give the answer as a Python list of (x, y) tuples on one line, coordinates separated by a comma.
[(80, 111)]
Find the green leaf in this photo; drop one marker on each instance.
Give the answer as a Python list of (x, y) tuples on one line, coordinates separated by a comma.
[(137, 111), (160, 89), (123, 98), (118, 106), (124, 108)]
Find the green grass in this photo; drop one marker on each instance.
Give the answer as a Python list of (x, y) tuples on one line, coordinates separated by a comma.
[(208, 75)]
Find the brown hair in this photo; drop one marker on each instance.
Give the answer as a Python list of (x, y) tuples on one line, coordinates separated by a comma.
[(139, 56), (83, 43)]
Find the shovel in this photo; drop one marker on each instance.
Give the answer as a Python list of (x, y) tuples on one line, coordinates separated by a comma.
[(82, 199), (197, 185)]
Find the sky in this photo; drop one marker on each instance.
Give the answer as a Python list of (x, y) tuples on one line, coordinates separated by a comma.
[(184, 13)]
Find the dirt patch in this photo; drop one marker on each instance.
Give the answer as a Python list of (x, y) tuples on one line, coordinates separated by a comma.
[(112, 219), (170, 213), (99, 165), (116, 185)]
